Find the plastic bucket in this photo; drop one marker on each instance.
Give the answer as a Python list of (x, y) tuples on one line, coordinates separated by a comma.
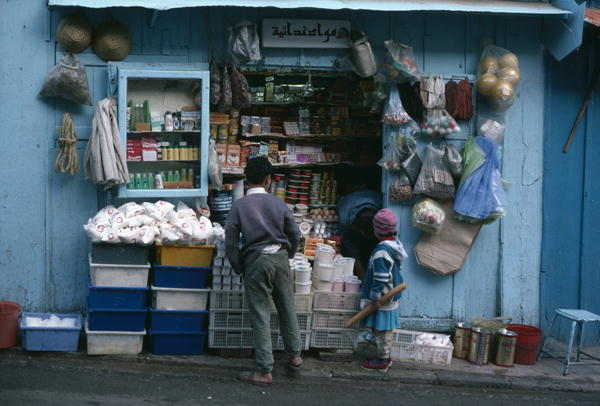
[(324, 285), (302, 288), (348, 266), (528, 343), (352, 286), (338, 268), (9, 323), (324, 271), (303, 276)]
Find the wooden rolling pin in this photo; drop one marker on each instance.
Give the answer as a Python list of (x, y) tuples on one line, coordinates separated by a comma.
[(370, 308)]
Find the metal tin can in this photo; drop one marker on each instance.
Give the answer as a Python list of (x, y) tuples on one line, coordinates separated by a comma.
[(507, 345), (480, 346), (462, 337)]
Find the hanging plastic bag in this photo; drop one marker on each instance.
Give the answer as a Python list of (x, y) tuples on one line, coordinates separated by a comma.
[(242, 98), (244, 45), (394, 112), (491, 125), (215, 173), (399, 64), (68, 80), (453, 160), (215, 82), (436, 120), (226, 92), (435, 180), (400, 188), (498, 77), (428, 216)]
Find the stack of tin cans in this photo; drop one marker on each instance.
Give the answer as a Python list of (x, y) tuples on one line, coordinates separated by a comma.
[(477, 343), (298, 186), (221, 201)]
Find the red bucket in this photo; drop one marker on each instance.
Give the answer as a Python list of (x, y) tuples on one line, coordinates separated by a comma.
[(528, 343), (9, 323)]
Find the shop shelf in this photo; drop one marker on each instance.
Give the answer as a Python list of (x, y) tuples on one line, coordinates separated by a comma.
[(241, 319), (178, 320), (114, 342), (184, 255), (242, 338), (125, 254), (236, 300), (50, 338), (328, 301), (179, 299), (116, 319), (112, 297), (405, 348), (120, 275), (169, 276), (331, 320), (177, 342), (333, 338)]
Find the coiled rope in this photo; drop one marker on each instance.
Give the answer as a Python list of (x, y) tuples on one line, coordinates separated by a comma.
[(66, 158)]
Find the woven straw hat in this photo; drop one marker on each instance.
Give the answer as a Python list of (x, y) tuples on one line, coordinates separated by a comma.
[(112, 41), (74, 33)]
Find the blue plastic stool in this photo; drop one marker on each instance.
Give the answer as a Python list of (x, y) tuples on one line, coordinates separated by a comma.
[(577, 317)]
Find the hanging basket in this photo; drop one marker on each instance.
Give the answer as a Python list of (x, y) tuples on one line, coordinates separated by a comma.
[(112, 41), (362, 55), (74, 33)]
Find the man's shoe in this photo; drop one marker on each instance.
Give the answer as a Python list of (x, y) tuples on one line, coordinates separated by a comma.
[(295, 362), (256, 378)]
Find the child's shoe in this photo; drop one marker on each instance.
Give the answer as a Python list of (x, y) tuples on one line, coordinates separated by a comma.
[(377, 364)]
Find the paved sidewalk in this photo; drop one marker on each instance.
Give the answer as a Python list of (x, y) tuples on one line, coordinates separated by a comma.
[(544, 375)]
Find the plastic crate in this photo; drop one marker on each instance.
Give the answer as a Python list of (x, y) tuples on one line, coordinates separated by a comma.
[(405, 348), (178, 320), (329, 320), (326, 301), (112, 297), (116, 319), (184, 255), (126, 254), (236, 300), (187, 277), (177, 342), (333, 338), (241, 320), (179, 299), (132, 276), (50, 338), (114, 342), (223, 338)]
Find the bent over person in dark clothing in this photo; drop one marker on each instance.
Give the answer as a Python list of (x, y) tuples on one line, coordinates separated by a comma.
[(270, 237)]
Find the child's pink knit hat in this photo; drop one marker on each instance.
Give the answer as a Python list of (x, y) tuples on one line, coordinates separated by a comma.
[(384, 222)]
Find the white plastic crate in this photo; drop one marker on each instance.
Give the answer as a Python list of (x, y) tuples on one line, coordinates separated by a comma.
[(114, 342), (223, 338), (131, 276), (235, 300), (333, 338), (241, 319), (329, 320), (327, 301), (405, 348), (179, 299)]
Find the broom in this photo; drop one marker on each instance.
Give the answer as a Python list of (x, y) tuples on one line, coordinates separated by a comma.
[(370, 308)]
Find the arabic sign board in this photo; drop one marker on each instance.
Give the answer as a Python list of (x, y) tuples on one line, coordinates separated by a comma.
[(283, 33)]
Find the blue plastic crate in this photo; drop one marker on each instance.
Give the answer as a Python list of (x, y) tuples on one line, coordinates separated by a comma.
[(110, 297), (184, 277), (179, 320), (177, 342), (50, 338), (116, 319)]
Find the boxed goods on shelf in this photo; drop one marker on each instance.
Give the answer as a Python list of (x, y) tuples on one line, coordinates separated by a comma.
[(119, 275), (184, 255), (49, 332), (222, 338), (113, 297), (177, 342), (241, 319), (170, 276), (178, 320), (125, 254), (422, 348), (116, 319), (114, 342), (179, 299)]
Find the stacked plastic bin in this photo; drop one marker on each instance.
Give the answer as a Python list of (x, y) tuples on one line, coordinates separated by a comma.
[(331, 311), (116, 305), (230, 325), (178, 316)]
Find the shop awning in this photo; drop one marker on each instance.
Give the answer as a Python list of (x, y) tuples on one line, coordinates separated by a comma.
[(464, 6)]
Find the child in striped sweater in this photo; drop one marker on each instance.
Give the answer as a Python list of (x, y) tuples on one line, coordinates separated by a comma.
[(383, 274)]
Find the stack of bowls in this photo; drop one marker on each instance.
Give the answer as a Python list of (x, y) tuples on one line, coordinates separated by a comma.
[(279, 185), (302, 274), (298, 187), (324, 268), (315, 189)]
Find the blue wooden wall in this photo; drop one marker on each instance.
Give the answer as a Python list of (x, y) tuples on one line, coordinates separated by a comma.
[(570, 274), (44, 250)]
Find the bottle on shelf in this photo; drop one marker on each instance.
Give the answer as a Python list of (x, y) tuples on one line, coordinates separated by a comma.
[(137, 181), (151, 181), (168, 121), (158, 180), (176, 176), (175, 150)]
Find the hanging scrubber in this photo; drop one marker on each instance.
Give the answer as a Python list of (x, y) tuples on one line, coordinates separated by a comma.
[(66, 159)]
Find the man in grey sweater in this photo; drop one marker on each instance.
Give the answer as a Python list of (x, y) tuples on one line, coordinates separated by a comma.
[(270, 237)]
